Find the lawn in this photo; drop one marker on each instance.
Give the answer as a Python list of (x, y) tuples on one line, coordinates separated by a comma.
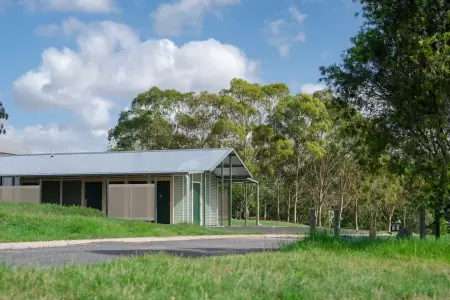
[(320, 268), (20, 222), (239, 222)]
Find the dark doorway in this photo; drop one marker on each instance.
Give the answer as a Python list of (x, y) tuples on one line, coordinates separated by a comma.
[(93, 194), (51, 192), (197, 203), (163, 202), (72, 192)]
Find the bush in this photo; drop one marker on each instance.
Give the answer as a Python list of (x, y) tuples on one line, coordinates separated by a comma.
[(442, 224)]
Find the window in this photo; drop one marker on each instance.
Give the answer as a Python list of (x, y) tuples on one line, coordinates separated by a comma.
[(7, 181)]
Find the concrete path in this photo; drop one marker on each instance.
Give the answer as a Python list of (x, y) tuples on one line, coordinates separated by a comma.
[(62, 243), (95, 252)]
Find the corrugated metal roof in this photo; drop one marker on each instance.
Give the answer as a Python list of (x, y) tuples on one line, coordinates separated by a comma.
[(118, 163)]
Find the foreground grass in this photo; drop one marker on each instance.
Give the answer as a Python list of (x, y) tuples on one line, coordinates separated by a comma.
[(23, 222), (312, 269), (239, 222)]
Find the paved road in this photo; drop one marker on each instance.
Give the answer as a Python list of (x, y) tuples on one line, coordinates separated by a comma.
[(99, 252)]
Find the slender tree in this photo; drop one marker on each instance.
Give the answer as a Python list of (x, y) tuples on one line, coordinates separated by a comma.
[(397, 72)]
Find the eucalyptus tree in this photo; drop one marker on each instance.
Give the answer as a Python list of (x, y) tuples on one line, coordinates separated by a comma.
[(303, 120), (397, 72), (3, 117)]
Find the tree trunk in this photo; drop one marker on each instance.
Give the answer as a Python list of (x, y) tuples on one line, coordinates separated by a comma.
[(288, 208), (295, 208), (437, 224), (391, 211), (356, 215), (404, 216), (278, 205), (296, 195), (265, 209), (373, 225), (389, 223), (319, 215), (341, 208)]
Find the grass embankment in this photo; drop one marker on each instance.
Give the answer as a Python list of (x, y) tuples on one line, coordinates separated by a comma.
[(23, 222), (239, 222), (316, 268)]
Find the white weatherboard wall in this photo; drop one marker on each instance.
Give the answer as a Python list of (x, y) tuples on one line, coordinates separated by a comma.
[(212, 207), (179, 199)]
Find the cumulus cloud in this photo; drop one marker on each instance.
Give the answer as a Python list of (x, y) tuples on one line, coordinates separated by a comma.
[(112, 63), (310, 88), (87, 6), (185, 16), (59, 138), (285, 32)]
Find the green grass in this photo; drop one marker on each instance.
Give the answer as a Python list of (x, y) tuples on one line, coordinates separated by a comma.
[(238, 222), (316, 268), (20, 222)]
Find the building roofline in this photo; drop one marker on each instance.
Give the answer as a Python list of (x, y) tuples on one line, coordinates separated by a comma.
[(115, 152)]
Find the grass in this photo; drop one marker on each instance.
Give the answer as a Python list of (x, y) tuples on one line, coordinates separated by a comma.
[(316, 268), (24, 222), (239, 222)]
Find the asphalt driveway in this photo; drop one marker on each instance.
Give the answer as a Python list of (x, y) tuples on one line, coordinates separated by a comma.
[(100, 252)]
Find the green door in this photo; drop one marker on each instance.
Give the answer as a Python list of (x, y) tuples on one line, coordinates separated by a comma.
[(163, 202), (197, 203)]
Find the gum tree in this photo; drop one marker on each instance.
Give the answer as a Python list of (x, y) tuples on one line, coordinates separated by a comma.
[(397, 71)]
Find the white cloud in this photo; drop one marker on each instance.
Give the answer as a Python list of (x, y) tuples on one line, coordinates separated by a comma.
[(185, 16), (296, 15), (111, 63), (310, 88), (284, 33), (44, 138), (87, 6)]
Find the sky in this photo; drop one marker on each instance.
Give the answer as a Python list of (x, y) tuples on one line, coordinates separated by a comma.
[(69, 67)]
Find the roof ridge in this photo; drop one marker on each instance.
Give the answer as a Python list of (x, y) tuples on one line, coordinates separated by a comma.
[(116, 152)]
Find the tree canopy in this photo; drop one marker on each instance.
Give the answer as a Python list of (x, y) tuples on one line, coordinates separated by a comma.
[(374, 144), (3, 116), (397, 73)]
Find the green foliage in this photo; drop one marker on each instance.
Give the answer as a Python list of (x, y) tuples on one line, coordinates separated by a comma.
[(396, 72), (442, 225), (3, 116)]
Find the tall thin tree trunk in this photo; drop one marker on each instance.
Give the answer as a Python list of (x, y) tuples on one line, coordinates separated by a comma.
[(265, 209), (295, 201), (356, 215), (341, 208), (319, 215), (288, 208), (404, 216), (389, 223), (373, 225), (278, 205)]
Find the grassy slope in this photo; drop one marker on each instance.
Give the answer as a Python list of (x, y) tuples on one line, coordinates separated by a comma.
[(311, 269), (236, 222), (29, 222)]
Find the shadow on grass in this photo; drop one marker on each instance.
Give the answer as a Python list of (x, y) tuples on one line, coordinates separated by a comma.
[(186, 253)]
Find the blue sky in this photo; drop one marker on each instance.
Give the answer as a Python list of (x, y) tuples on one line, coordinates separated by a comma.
[(70, 66)]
